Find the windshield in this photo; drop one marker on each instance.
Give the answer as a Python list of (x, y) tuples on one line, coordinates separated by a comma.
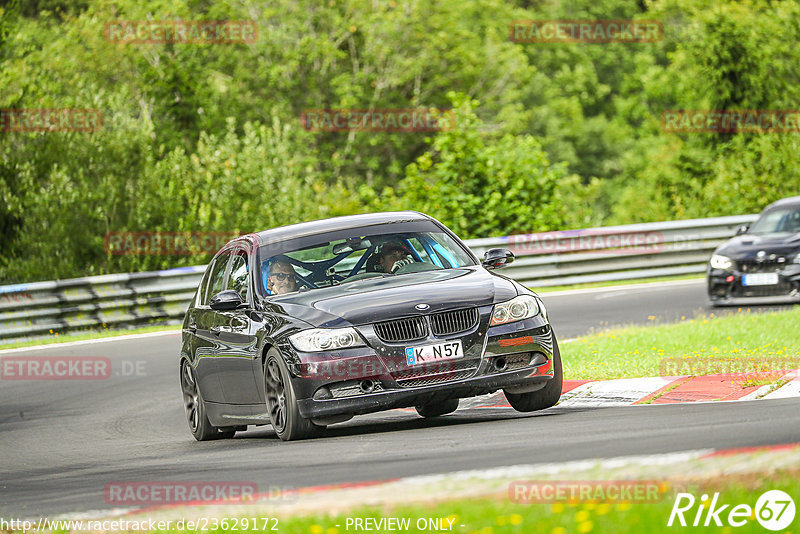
[(777, 221), (359, 254)]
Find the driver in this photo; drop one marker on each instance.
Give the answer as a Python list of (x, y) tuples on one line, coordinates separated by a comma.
[(282, 278), (394, 255)]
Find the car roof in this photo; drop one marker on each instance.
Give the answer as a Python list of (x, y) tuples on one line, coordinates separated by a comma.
[(333, 224), (784, 202)]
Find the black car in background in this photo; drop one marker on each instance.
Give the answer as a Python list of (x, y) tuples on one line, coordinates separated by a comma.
[(308, 325), (762, 261)]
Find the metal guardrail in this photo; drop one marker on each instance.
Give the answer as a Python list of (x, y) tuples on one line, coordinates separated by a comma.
[(611, 253)]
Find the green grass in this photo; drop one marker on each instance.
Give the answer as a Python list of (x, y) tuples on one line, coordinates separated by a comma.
[(616, 283), (500, 515), (740, 342), (82, 336)]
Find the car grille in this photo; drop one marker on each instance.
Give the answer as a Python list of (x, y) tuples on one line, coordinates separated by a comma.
[(517, 361), (352, 389), (453, 322), (402, 329), (436, 374), (784, 287), (769, 266)]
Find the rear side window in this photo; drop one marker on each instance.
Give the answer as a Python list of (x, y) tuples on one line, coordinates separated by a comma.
[(217, 277)]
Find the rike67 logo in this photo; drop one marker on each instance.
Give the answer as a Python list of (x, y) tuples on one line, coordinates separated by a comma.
[(774, 510)]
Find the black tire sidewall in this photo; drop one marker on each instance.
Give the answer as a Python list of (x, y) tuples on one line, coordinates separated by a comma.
[(205, 430), (296, 427), (547, 396)]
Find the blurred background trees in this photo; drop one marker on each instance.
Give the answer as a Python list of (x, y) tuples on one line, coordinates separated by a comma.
[(548, 136)]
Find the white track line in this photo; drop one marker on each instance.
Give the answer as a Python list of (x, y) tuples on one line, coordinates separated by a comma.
[(618, 392), (790, 389)]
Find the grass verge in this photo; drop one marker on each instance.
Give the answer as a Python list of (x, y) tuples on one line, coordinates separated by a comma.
[(501, 514), (82, 336), (615, 283), (756, 343)]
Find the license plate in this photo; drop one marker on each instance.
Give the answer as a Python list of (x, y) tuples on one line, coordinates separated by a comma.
[(760, 279), (449, 350)]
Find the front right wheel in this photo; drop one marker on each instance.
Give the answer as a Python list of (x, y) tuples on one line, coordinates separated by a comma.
[(543, 398), (282, 402)]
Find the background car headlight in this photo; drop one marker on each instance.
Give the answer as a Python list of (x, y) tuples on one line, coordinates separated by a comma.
[(319, 339), (721, 262), (516, 309)]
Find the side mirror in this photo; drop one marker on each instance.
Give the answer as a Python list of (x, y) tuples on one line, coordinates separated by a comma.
[(495, 258), (226, 300), (742, 229)]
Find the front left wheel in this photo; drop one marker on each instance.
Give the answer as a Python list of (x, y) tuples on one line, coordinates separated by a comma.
[(282, 402)]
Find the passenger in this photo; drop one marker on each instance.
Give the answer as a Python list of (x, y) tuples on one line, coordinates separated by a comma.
[(282, 278)]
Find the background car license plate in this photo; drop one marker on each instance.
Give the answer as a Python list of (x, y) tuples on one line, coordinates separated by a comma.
[(760, 279), (449, 350)]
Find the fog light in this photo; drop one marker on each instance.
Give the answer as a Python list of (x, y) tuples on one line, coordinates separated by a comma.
[(729, 278)]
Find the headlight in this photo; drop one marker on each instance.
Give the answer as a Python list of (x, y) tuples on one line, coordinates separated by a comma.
[(516, 309), (796, 258), (319, 339), (721, 262)]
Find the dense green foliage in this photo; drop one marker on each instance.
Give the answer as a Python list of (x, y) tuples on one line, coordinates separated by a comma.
[(208, 137)]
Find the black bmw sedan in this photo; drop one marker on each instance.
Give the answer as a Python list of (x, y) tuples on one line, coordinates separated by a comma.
[(307, 325), (762, 261)]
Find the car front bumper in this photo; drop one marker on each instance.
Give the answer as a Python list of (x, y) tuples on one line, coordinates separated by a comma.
[(405, 397), (516, 355), (727, 286)]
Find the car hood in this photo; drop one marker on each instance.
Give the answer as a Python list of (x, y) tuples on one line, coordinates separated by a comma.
[(379, 299), (746, 246)]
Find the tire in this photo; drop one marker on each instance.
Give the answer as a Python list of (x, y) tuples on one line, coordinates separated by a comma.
[(543, 398), (281, 401), (195, 408), (435, 409)]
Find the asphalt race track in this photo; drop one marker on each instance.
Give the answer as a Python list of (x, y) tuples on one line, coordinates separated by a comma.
[(62, 442)]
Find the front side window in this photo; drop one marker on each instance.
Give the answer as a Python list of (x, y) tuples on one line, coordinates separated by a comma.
[(349, 256), (237, 281), (217, 278)]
